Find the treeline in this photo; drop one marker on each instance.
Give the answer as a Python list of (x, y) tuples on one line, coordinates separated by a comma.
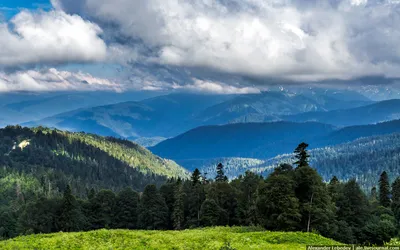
[(292, 198)]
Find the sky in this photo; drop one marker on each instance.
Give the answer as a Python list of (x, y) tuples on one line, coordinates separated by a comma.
[(216, 46)]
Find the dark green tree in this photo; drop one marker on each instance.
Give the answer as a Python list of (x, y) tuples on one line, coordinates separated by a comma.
[(8, 224), (278, 205), (167, 191), (153, 211), (316, 207), (195, 196), (220, 177), (380, 227), (178, 215), (247, 187), (384, 190), (196, 177), (396, 200), (126, 210), (71, 217), (301, 155), (211, 214), (353, 209), (103, 209), (334, 187)]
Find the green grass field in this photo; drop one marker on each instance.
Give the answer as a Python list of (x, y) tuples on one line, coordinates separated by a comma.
[(209, 238)]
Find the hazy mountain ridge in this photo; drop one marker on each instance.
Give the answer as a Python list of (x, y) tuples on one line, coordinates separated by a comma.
[(262, 140), (171, 115), (378, 112)]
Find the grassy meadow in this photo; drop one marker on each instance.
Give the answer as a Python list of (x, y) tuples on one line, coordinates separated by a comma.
[(208, 238)]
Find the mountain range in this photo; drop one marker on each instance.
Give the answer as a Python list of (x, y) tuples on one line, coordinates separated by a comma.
[(170, 115), (262, 140)]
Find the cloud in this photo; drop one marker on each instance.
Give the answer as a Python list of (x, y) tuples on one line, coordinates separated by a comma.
[(52, 37), (215, 88), (54, 80), (292, 39)]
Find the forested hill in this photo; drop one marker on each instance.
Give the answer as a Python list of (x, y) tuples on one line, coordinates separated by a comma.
[(44, 160)]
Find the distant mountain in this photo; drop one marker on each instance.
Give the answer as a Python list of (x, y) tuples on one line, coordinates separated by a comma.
[(171, 115), (17, 108), (364, 159), (262, 140), (373, 113), (163, 116), (149, 141), (248, 140), (272, 105), (51, 159), (351, 133)]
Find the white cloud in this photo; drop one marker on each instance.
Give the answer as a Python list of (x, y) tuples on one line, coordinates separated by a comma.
[(49, 37), (295, 39), (54, 80), (215, 88)]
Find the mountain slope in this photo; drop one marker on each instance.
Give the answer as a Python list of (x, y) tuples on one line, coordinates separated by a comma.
[(163, 116), (18, 108), (51, 159), (271, 105), (262, 140), (373, 113), (250, 140)]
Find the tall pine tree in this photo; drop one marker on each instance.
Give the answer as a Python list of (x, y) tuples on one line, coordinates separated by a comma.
[(126, 209), (153, 211), (301, 155), (178, 215), (384, 190), (221, 177)]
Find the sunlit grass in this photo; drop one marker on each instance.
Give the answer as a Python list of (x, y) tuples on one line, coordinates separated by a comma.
[(209, 238)]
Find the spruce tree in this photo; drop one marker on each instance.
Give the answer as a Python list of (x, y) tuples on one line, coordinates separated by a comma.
[(334, 188), (178, 215), (153, 211), (103, 209), (301, 155), (353, 210), (221, 177), (396, 200), (196, 177), (384, 190), (126, 209), (195, 198), (71, 217), (211, 214)]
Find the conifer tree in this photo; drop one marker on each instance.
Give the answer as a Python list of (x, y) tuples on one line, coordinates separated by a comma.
[(384, 190), (153, 211), (396, 200), (211, 214), (278, 205), (178, 215), (71, 217), (221, 177), (353, 210), (126, 210), (195, 198), (301, 155), (196, 177)]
